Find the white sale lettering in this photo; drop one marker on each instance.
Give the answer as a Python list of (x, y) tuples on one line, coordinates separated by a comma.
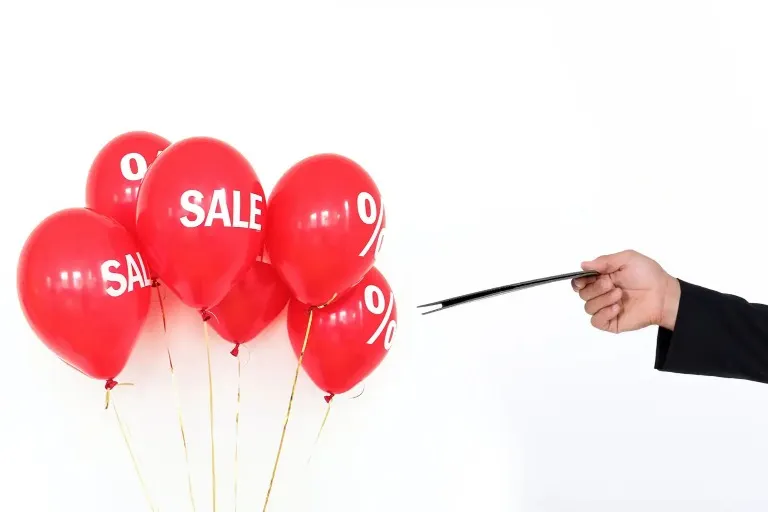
[(117, 283), (219, 210)]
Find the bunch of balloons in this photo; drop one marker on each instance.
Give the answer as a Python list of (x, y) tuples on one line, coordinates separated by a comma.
[(193, 216)]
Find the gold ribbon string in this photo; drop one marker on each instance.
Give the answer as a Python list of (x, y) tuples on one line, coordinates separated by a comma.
[(176, 396), (181, 427), (322, 426), (290, 400), (126, 439), (206, 317), (237, 425), (156, 285)]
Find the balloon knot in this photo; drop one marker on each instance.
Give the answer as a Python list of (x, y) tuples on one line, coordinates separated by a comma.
[(155, 283), (110, 385), (236, 351), (328, 397), (205, 315)]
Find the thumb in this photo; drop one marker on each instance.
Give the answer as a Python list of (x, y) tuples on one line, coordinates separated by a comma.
[(609, 263)]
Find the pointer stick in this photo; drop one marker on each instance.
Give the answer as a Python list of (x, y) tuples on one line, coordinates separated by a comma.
[(492, 292)]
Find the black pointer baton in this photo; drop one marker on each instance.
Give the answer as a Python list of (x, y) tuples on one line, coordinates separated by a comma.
[(484, 294)]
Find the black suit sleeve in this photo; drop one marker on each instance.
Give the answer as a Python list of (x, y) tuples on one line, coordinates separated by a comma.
[(715, 334)]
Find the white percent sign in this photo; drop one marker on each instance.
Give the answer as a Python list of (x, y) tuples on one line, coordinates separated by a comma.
[(376, 303), (141, 166), (369, 213)]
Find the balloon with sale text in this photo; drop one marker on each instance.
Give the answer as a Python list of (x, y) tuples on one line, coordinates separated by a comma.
[(348, 338), (84, 289), (251, 305), (326, 226), (200, 219), (117, 172)]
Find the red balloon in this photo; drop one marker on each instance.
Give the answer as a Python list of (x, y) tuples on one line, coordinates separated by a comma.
[(199, 218), (84, 289), (348, 338), (326, 225), (251, 305), (116, 173)]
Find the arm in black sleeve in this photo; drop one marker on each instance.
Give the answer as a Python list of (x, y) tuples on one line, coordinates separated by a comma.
[(715, 334)]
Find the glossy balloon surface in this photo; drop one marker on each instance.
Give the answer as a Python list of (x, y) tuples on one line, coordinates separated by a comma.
[(84, 289), (117, 172), (349, 338), (326, 226), (200, 218), (251, 305)]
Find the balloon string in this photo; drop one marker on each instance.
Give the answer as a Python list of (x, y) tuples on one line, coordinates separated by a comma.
[(206, 317), (237, 424), (176, 396), (156, 285), (111, 384), (181, 427), (290, 400), (329, 400), (288, 413)]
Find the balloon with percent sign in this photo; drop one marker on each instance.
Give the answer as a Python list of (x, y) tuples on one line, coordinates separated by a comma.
[(117, 172), (349, 338), (326, 226)]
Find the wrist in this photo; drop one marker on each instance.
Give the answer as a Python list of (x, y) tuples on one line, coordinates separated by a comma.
[(670, 303)]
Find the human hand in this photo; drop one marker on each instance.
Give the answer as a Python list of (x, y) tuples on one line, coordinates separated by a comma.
[(632, 292)]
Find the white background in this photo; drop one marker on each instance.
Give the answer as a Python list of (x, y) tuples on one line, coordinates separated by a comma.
[(510, 143)]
